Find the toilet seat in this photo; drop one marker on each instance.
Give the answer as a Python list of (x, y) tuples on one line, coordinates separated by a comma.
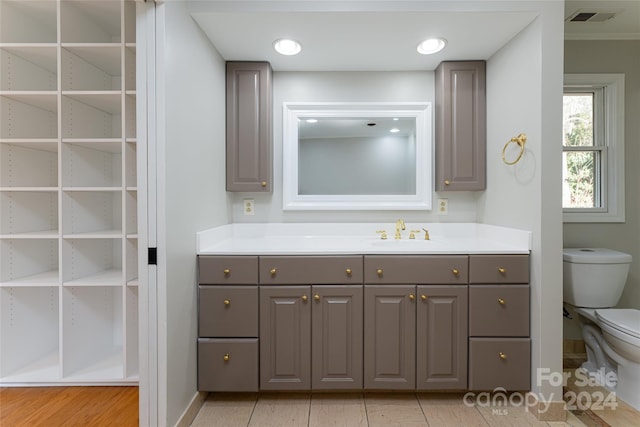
[(624, 320)]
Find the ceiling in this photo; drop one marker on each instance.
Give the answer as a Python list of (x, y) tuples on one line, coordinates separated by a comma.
[(625, 25), (363, 35)]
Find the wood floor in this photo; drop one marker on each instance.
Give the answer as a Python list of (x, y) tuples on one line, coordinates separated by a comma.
[(69, 406)]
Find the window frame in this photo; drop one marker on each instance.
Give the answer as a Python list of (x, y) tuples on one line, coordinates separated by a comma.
[(608, 131)]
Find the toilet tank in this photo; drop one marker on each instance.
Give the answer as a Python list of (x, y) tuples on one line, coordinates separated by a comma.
[(594, 277)]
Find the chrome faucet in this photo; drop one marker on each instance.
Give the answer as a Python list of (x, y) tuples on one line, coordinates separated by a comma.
[(399, 225)]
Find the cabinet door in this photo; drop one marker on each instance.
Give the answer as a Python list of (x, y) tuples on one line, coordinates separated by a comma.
[(285, 338), (249, 119), (336, 331), (389, 340), (441, 338), (460, 126)]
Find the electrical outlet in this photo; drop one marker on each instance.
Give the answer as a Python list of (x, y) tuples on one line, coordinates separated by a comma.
[(248, 207), (443, 206)]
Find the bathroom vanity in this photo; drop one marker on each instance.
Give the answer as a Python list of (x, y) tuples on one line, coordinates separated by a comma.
[(281, 309)]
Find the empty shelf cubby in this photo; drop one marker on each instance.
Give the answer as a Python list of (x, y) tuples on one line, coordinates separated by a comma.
[(29, 116), (28, 68), (28, 21), (92, 163), (92, 262), (91, 115), (90, 21), (29, 165), (30, 335), (29, 262), (91, 68), (34, 213), (93, 213)]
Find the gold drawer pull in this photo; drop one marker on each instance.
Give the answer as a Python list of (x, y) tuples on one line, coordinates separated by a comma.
[(447, 182), (273, 271), (501, 301), (226, 271), (502, 356), (304, 298), (455, 272), (423, 297), (412, 297), (348, 271), (379, 272), (502, 270), (263, 183), (316, 297), (226, 357), (227, 302)]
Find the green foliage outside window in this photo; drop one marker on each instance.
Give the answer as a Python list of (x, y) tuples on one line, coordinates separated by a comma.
[(579, 166)]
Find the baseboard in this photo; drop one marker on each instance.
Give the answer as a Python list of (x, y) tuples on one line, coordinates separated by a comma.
[(192, 409), (546, 411)]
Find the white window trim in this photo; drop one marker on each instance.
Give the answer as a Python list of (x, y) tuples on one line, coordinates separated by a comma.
[(613, 163)]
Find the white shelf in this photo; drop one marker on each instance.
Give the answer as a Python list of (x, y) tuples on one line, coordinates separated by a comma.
[(68, 192)]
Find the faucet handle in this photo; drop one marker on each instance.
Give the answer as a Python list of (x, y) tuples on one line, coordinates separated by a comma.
[(412, 234), (382, 233), (426, 234)]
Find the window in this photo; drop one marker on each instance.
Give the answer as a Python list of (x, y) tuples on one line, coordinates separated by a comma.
[(593, 148)]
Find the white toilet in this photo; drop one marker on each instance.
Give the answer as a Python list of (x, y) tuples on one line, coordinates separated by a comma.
[(594, 279)]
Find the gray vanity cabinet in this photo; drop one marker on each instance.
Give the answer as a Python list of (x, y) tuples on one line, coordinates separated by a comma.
[(499, 342), (460, 126), (249, 118), (311, 335), (228, 323), (416, 323), (441, 339), (389, 342)]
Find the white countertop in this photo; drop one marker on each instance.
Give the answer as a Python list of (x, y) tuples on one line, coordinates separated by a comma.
[(360, 238)]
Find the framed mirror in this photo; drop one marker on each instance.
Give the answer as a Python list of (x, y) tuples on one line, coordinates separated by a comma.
[(357, 156)]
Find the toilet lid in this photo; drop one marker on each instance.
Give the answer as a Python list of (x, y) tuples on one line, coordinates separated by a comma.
[(626, 320), (595, 256)]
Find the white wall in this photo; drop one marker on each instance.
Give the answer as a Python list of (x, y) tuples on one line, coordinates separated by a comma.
[(613, 57), (524, 95), (191, 190), (347, 87)]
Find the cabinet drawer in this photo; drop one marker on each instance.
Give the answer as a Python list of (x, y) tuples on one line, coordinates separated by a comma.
[(228, 270), (500, 362), (499, 269), (239, 372), (499, 310), (310, 270), (416, 269), (228, 311)]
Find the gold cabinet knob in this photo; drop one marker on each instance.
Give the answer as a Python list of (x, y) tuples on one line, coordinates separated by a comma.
[(304, 298), (501, 301), (348, 271), (379, 272), (226, 271), (316, 297), (263, 183), (273, 271), (455, 272), (412, 297), (226, 357), (502, 356), (423, 297), (502, 270), (227, 302), (447, 182)]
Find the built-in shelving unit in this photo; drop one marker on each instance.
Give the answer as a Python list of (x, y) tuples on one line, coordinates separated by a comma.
[(68, 192)]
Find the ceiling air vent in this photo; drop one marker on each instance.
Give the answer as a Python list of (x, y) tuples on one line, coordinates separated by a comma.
[(590, 16)]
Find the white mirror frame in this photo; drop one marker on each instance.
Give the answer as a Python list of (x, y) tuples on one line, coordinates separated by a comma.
[(295, 111)]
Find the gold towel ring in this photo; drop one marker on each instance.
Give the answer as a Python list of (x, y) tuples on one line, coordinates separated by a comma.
[(521, 140)]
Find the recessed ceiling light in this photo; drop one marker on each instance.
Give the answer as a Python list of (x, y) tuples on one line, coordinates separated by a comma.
[(431, 46), (394, 130), (312, 120), (287, 47)]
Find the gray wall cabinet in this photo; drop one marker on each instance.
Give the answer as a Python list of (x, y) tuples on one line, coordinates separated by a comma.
[(249, 121), (460, 126), (399, 322)]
